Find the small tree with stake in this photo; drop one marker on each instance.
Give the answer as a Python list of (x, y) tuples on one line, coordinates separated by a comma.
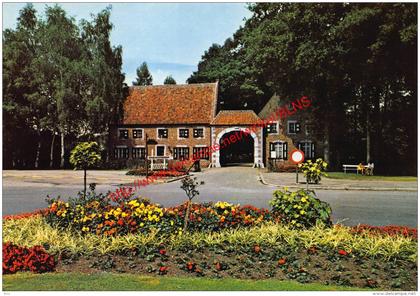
[(85, 155), (190, 187)]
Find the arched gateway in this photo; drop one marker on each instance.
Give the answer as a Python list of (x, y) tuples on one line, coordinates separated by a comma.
[(237, 124)]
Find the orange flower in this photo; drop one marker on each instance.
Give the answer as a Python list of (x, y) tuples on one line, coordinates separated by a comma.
[(257, 249), (120, 222), (282, 261)]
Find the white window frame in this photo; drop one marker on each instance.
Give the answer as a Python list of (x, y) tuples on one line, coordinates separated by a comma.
[(164, 149), (277, 128), (122, 147), (182, 146), (204, 132), (288, 126), (310, 148), (128, 133), (157, 132), (180, 128), (203, 146), (142, 133), (281, 150), (137, 146)]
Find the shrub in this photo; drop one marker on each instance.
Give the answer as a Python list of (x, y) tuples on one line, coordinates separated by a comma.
[(84, 156), (300, 208), (313, 170), (34, 259)]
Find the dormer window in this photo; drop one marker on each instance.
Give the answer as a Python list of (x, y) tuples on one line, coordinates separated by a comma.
[(123, 133), (272, 128), (183, 133), (162, 133)]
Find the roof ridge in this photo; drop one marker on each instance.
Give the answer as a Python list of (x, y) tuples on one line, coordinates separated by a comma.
[(173, 85)]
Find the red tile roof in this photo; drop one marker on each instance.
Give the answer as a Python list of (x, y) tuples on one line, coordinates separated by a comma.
[(171, 104), (236, 117)]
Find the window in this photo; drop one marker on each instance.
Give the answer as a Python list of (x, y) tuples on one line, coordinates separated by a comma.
[(121, 153), (198, 132), (308, 149), (160, 150), (201, 152), (183, 133), (181, 153), (272, 128), (123, 133), (137, 133), (293, 127), (162, 133), (278, 150), (138, 152)]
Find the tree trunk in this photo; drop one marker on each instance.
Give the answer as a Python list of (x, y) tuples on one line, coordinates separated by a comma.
[(52, 151), (38, 150), (187, 216), (367, 138), (327, 143), (84, 190), (62, 150)]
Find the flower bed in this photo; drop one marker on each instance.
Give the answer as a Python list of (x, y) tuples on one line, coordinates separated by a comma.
[(34, 259), (387, 230), (139, 216), (336, 255)]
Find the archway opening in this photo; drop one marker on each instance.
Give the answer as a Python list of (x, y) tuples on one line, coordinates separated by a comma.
[(236, 150)]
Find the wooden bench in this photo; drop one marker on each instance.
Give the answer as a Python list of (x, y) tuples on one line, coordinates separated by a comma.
[(354, 167), (350, 167)]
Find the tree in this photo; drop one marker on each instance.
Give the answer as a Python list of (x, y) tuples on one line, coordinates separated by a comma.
[(84, 156), (190, 187), (143, 76), (169, 80)]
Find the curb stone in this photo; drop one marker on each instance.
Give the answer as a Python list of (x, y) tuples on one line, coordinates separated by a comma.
[(261, 179)]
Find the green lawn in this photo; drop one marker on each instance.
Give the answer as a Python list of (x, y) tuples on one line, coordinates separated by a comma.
[(354, 176), (131, 282)]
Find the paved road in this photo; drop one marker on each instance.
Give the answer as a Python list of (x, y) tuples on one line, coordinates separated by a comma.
[(236, 185)]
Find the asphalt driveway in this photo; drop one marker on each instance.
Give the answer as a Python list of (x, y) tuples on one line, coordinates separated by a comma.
[(26, 190)]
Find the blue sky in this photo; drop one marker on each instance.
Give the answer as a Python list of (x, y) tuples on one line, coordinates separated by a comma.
[(170, 37)]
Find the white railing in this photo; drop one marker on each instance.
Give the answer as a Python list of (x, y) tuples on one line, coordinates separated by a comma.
[(159, 162)]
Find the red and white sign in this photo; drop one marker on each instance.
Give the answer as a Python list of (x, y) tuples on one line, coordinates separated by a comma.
[(297, 156)]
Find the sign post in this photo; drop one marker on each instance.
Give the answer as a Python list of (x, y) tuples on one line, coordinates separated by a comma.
[(297, 157)]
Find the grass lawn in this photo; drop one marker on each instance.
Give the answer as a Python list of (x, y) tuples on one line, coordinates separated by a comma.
[(131, 282), (354, 176)]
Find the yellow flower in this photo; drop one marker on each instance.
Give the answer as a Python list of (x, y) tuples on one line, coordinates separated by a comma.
[(85, 228), (124, 214), (302, 212), (141, 224), (172, 222), (303, 199), (67, 205)]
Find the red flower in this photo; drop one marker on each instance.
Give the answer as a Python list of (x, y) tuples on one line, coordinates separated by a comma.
[(282, 261), (218, 266), (257, 249), (342, 252), (163, 269), (162, 252), (120, 222), (190, 265)]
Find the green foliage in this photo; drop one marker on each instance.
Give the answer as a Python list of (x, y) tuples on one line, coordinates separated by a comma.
[(169, 80), (36, 231), (300, 208), (85, 155), (313, 171), (353, 59), (59, 78), (143, 76)]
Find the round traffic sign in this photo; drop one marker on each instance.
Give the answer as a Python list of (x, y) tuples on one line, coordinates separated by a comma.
[(297, 156)]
